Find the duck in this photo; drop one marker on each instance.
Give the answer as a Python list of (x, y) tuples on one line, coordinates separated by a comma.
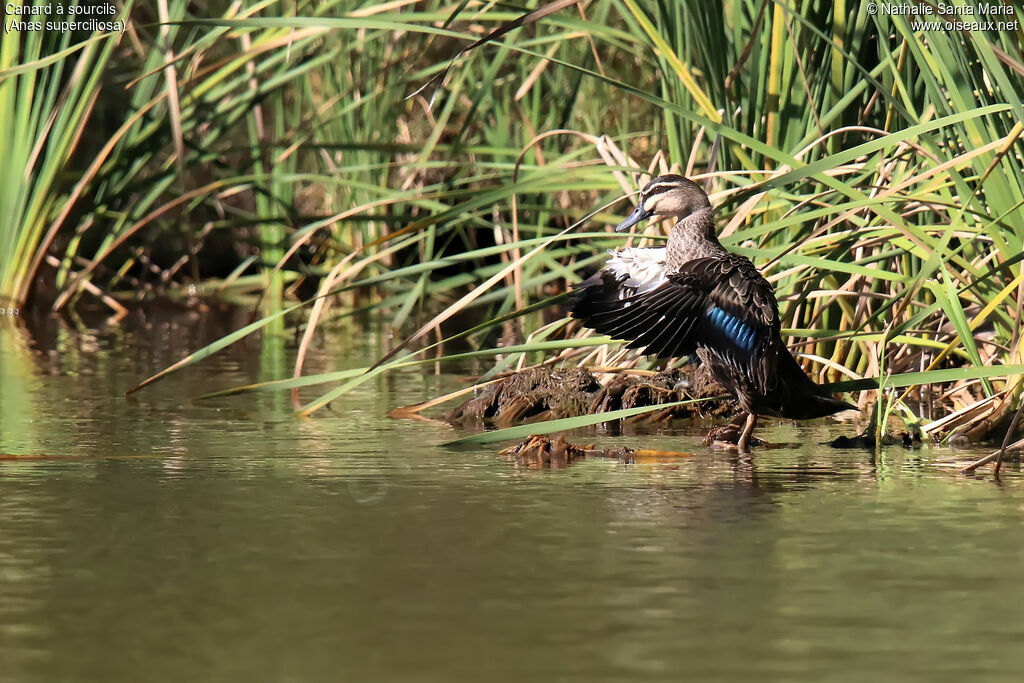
[(693, 297)]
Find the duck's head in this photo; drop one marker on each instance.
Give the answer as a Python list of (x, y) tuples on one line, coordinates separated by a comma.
[(667, 195)]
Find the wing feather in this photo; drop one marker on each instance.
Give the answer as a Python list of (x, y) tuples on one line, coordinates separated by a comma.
[(744, 334), (679, 316)]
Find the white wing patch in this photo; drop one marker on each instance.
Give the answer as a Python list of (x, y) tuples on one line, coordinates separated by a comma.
[(643, 268)]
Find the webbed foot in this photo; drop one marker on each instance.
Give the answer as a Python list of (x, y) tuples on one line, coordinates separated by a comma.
[(734, 437), (727, 438)]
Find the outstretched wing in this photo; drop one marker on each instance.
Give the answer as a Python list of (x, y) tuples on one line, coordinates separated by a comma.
[(719, 303)]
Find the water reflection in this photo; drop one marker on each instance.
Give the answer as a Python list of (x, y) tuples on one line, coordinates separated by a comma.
[(225, 540)]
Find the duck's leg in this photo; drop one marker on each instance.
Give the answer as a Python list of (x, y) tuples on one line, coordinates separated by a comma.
[(743, 445)]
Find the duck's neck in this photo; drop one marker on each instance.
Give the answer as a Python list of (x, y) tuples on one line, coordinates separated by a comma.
[(691, 238)]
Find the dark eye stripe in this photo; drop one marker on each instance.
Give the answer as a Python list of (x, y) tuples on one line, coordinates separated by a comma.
[(659, 188)]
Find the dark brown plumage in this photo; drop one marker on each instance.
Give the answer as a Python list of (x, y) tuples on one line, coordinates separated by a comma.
[(708, 302)]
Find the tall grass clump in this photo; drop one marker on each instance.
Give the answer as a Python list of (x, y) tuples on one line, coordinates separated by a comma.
[(415, 160), (50, 84)]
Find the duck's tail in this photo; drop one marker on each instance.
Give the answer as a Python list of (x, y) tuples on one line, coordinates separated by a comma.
[(817, 406), (807, 400)]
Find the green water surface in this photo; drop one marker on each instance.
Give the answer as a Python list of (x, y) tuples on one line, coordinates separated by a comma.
[(160, 539)]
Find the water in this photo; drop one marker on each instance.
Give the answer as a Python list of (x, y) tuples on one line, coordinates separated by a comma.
[(158, 538)]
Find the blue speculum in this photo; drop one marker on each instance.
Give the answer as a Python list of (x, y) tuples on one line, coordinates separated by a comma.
[(736, 330)]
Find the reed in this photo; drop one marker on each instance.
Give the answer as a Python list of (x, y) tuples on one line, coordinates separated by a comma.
[(872, 171), (50, 85)]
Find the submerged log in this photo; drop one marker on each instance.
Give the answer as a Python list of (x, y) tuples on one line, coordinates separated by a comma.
[(543, 393), (543, 451)]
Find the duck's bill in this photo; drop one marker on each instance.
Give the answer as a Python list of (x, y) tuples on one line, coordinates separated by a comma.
[(638, 215)]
